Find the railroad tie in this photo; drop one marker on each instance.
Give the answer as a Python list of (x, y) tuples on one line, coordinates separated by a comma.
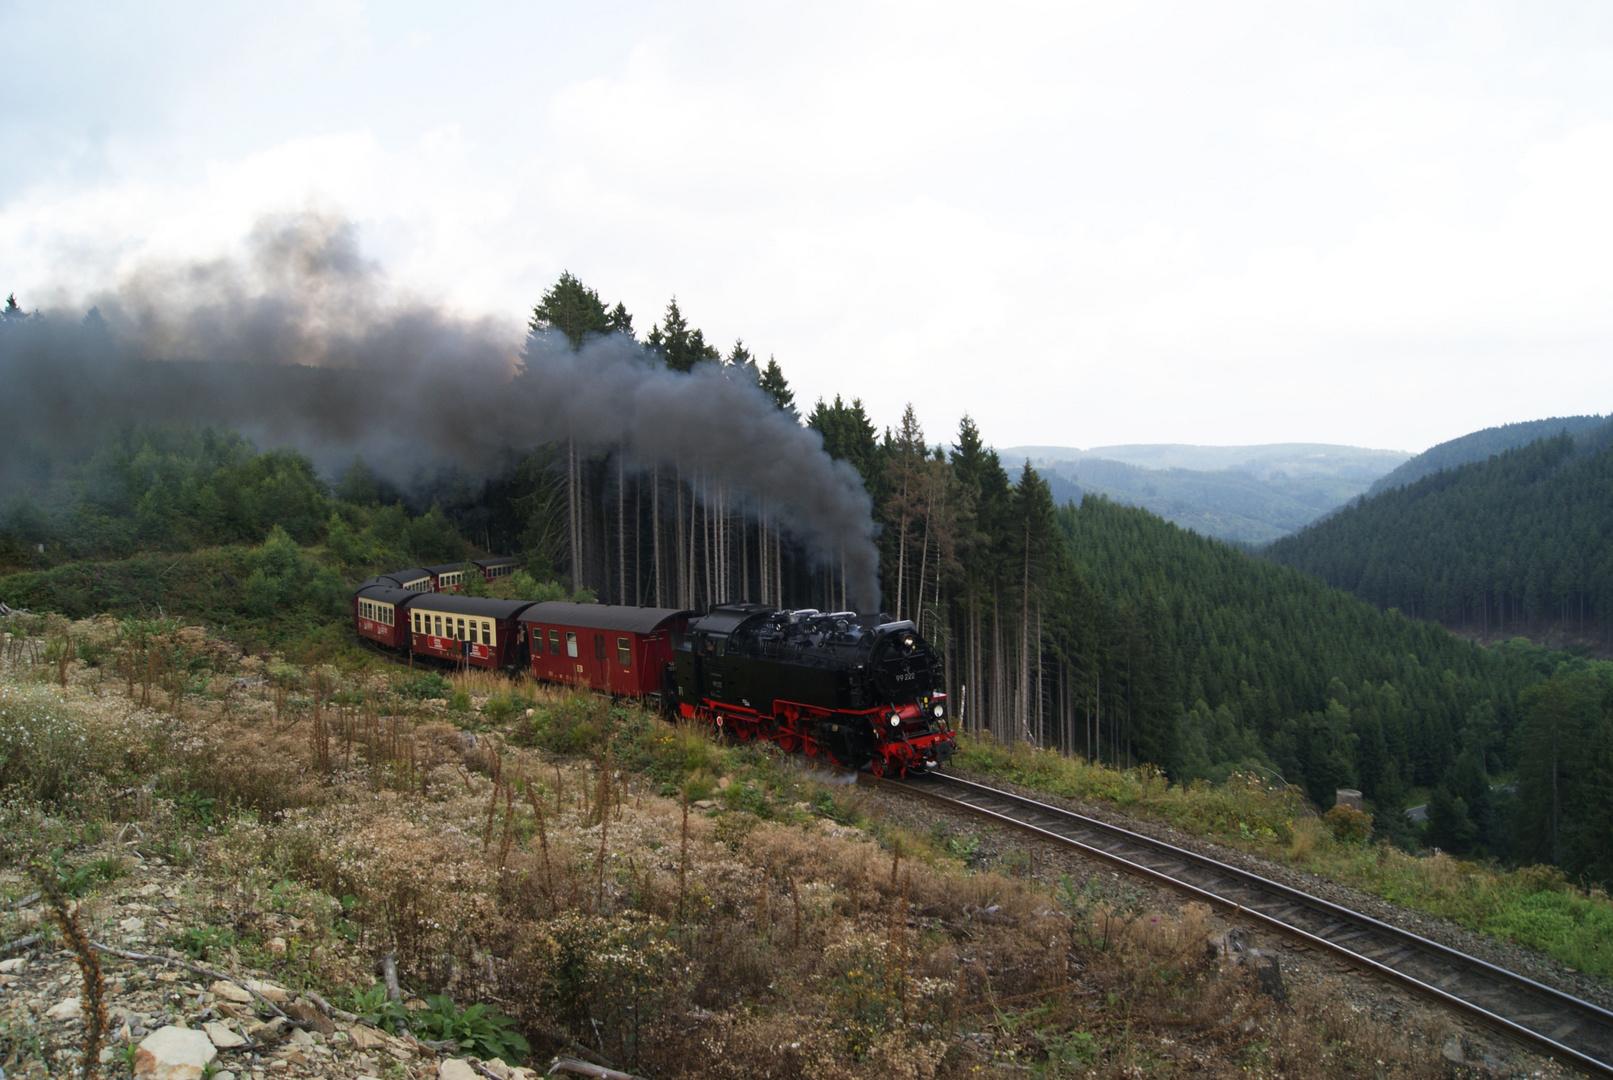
[(1562, 1031)]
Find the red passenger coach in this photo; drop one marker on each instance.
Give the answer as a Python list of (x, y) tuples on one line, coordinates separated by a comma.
[(623, 650), (380, 614), (468, 629)]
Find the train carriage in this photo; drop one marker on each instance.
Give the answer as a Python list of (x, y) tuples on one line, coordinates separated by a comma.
[(447, 577), (499, 567), (469, 629), (416, 579), (613, 648), (380, 613)]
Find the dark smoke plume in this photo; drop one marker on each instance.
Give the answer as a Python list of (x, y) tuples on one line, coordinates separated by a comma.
[(304, 344)]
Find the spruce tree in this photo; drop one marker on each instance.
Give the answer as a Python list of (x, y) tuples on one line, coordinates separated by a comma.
[(573, 309), (772, 380)]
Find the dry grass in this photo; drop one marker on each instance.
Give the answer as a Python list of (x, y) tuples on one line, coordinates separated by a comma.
[(755, 939)]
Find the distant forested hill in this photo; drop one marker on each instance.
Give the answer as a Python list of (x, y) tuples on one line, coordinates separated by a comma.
[(1519, 544), (1481, 445), (1246, 494), (1261, 665)]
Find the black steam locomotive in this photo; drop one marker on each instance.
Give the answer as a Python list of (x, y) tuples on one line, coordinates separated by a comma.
[(848, 688)]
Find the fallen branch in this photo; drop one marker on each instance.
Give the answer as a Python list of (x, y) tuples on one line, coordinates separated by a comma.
[(330, 1010), (19, 945), (583, 1068), (218, 976)]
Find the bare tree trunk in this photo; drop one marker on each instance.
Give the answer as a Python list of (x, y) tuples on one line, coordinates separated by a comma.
[(1041, 715), (638, 540), (678, 556), (924, 563), (761, 553), (575, 535), (655, 531), (621, 531), (1023, 696)]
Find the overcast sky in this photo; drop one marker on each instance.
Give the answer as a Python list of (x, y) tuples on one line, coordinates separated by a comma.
[(1377, 224)]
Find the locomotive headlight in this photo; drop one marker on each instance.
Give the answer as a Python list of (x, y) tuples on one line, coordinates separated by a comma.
[(896, 720), (940, 711)]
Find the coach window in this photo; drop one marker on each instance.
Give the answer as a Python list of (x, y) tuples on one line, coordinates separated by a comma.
[(624, 652), (436, 620), (554, 642), (462, 636), (571, 644)]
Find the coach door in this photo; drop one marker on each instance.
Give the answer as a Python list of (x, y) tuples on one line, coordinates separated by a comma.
[(601, 672)]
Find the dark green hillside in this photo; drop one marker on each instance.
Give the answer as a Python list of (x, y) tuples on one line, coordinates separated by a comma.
[(1481, 445), (1519, 544), (1267, 665)]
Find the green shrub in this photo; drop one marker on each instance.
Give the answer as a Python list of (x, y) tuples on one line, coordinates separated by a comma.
[(202, 942), (375, 1007), (475, 1028), (1349, 825), (428, 684)]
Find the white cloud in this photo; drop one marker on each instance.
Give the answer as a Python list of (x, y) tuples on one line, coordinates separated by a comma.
[(1084, 224)]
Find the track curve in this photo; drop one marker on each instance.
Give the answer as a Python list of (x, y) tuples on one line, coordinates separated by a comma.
[(1575, 1032)]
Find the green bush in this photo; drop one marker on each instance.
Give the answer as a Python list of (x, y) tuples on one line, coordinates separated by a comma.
[(428, 684), (375, 1007), (476, 1029)]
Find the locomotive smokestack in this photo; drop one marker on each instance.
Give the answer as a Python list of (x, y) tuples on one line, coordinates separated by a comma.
[(304, 343)]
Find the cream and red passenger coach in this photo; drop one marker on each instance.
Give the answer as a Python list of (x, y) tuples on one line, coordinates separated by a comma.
[(416, 580), (380, 612), (497, 567), (468, 629)]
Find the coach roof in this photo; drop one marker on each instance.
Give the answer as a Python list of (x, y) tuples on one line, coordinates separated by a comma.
[(385, 594), (414, 573), (479, 606), (632, 620)]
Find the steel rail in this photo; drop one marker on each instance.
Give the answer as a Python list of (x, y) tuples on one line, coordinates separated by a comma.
[(1563, 1016)]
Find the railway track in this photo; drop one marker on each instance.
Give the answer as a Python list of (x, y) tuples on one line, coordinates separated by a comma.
[(1577, 1033)]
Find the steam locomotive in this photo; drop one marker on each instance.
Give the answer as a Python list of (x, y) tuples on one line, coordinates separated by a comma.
[(858, 690)]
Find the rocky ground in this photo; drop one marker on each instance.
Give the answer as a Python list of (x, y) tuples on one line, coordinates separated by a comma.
[(170, 1021)]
